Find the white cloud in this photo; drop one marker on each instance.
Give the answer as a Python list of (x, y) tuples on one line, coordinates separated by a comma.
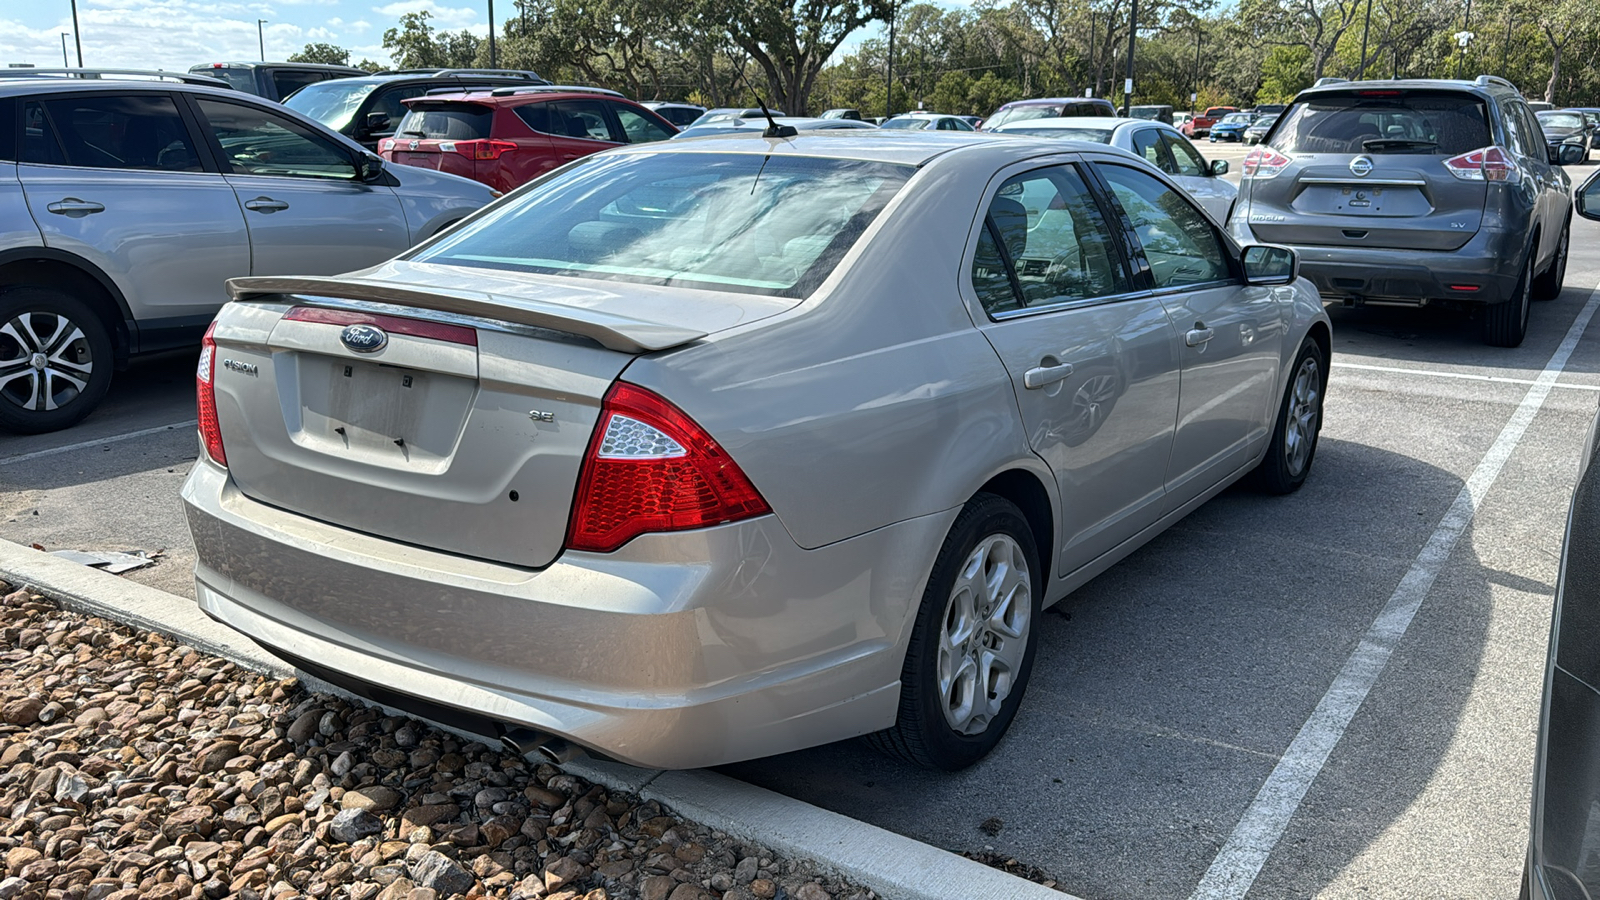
[(449, 18)]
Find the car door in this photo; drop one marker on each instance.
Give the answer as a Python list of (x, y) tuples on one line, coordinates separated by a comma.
[(578, 128), (1094, 362), (307, 212), (119, 179), (1231, 334), (1190, 171)]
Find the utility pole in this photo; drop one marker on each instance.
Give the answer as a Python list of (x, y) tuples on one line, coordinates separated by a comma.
[(1194, 95), (888, 79), (1094, 71), (1505, 49), (77, 34), (1361, 71), (1133, 31), (1465, 39), (493, 59), (64, 63), (261, 40)]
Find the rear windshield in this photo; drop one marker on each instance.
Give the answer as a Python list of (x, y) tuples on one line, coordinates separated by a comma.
[(332, 103), (1097, 135), (1385, 122), (906, 123), (1023, 114), (449, 122), (242, 79), (1236, 119), (745, 223)]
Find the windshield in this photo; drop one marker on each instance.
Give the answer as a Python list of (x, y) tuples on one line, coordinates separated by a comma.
[(1265, 122), (452, 122), (1385, 122), (332, 103), (739, 222), (1560, 120), (1236, 119), (907, 124), (1097, 135)]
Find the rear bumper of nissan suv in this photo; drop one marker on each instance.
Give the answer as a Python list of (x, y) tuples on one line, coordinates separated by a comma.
[(678, 650), (1485, 270)]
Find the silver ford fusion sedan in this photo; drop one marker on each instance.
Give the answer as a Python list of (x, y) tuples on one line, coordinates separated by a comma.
[(701, 451)]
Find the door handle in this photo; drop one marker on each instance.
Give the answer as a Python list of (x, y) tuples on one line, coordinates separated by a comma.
[(1198, 335), (1043, 376), (72, 206), (265, 205)]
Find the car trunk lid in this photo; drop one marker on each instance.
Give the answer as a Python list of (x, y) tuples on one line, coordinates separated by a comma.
[(463, 428)]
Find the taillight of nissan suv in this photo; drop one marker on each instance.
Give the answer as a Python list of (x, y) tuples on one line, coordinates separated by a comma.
[(1264, 162), (1485, 164)]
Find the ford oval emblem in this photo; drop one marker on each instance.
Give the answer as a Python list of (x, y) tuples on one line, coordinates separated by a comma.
[(1361, 166), (364, 338)]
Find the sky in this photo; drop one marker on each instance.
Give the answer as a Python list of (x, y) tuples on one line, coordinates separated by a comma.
[(177, 34)]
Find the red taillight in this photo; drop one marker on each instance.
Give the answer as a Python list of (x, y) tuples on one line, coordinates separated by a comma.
[(479, 149), (1485, 164), (206, 397), (1264, 162), (649, 467)]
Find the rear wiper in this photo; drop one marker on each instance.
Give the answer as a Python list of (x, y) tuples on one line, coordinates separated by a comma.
[(420, 134), (1396, 144)]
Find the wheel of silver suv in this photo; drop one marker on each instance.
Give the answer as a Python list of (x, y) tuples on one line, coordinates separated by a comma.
[(55, 360)]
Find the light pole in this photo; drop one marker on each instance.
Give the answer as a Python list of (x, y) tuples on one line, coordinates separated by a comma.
[(64, 62), (493, 59), (1505, 49), (77, 34), (1095, 72), (1194, 95), (261, 40), (888, 78), (1361, 71), (1464, 37), (1127, 84)]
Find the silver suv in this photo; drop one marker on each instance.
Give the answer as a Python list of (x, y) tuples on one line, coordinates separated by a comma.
[(125, 204), (1415, 193)]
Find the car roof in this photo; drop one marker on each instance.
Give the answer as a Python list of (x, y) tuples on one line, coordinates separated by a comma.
[(200, 68), (22, 87), (1041, 101), (491, 97), (1482, 86), (871, 145), (1102, 123)]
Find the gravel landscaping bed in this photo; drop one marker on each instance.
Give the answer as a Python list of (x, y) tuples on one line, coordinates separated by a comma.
[(133, 768)]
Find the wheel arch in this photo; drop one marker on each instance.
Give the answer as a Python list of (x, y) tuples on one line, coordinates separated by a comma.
[(48, 267), (1025, 489)]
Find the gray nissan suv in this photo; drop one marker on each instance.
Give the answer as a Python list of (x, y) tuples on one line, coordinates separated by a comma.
[(1415, 193)]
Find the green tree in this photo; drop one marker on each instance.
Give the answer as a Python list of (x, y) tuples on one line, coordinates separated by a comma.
[(418, 45), (789, 40), (322, 53)]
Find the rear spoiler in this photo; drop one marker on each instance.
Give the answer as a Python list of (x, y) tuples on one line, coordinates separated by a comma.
[(620, 333)]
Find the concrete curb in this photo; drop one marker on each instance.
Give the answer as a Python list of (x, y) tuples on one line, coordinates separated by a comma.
[(896, 867)]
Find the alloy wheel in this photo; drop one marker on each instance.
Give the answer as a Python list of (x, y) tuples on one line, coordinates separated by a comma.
[(983, 637), (1300, 429), (45, 361)]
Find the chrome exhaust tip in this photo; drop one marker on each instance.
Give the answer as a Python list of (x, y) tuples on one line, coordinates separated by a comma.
[(526, 742), (559, 751)]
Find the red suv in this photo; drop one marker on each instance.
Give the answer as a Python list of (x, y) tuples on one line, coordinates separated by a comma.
[(506, 137)]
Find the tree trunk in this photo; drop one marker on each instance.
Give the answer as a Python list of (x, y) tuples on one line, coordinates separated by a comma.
[(1555, 73)]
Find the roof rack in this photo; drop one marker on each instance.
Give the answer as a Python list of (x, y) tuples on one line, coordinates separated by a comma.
[(152, 74), (1329, 80), (456, 73), (1486, 80), (554, 88), (463, 88)]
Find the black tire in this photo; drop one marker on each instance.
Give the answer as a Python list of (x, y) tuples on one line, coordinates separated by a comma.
[(1294, 437), (1506, 324), (1548, 285), (55, 360), (923, 733)]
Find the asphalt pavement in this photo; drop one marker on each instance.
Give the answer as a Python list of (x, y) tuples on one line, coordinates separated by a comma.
[(1172, 688)]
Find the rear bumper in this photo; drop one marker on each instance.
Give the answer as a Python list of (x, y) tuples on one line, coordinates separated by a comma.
[(677, 651), (1490, 262)]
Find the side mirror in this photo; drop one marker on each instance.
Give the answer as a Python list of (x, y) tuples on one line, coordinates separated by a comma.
[(1570, 154), (369, 167), (1587, 202), (376, 122), (1269, 264), (1219, 167)]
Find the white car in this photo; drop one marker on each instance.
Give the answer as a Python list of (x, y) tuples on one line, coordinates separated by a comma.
[(926, 121), (1160, 145)]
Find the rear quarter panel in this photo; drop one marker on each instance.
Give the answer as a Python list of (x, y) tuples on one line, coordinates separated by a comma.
[(431, 200), (874, 401)]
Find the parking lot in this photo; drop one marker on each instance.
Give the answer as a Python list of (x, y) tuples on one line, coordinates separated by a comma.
[(1172, 688)]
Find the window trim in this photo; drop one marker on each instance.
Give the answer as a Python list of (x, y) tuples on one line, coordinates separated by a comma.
[(1080, 164), (1145, 275)]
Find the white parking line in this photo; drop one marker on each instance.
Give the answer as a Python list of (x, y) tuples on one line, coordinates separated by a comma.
[(83, 445), (1236, 866), (1469, 376)]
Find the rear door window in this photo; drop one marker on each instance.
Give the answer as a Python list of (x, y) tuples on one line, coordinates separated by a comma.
[(287, 81), (447, 121), (581, 119), (1385, 121), (134, 131)]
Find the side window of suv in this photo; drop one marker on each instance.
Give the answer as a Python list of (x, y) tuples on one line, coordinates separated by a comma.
[(1516, 129), (388, 103), (639, 129), (580, 119), (256, 142), (134, 131), (287, 81), (1532, 128)]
